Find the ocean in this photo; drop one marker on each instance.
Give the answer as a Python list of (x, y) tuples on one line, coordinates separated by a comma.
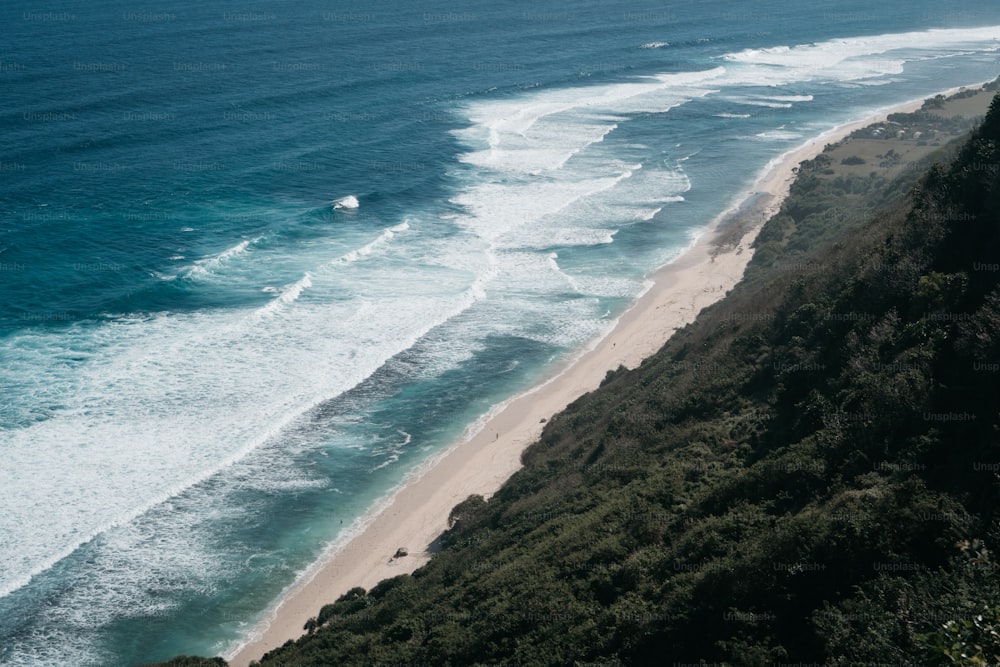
[(261, 260)]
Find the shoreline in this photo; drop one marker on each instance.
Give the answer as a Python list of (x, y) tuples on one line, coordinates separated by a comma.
[(415, 514)]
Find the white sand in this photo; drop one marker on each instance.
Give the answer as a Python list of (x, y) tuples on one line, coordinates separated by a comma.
[(418, 513)]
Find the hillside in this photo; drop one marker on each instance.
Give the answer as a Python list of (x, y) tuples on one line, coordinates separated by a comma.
[(807, 474)]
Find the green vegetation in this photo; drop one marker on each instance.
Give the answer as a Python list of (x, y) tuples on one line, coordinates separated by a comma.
[(808, 473), (904, 139), (190, 661)]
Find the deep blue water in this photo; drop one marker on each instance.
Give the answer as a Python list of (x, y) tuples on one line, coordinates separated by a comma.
[(207, 364)]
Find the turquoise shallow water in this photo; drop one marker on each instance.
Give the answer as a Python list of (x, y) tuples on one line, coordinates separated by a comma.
[(210, 358)]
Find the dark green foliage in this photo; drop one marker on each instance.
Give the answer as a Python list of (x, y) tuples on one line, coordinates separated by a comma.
[(467, 511), (191, 661), (969, 642), (807, 474)]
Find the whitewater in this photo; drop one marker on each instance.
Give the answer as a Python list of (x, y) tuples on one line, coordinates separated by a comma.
[(217, 356)]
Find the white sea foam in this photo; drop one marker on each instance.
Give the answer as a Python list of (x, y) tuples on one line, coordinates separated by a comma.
[(545, 165), (143, 567), (293, 291), (770, 101), (579, 115), (649, 214), (498, 211), (288, 295), (206, 266), (759, 102), (851, 59), (153, 408), (788, 98), (391, 450), (780, 135), (370, 247), (348, 202), (556, 237)]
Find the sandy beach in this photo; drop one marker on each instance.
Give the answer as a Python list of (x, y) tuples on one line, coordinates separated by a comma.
[(418, 512)]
